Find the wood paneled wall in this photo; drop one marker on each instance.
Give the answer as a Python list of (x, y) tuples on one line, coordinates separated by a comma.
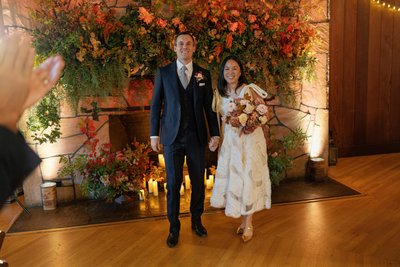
[(364, 77)]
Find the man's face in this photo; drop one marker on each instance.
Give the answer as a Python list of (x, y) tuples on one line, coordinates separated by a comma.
[(184, 48)]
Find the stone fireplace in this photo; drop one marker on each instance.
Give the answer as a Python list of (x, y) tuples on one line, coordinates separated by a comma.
[(118, 116)]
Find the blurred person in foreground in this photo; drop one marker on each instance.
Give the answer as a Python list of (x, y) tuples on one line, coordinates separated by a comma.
[(21, 87)]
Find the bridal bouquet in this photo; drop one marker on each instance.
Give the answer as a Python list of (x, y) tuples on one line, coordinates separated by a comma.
[(247, 114)]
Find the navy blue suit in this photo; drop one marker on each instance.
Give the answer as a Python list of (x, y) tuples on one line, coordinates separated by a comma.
[(179, 117)]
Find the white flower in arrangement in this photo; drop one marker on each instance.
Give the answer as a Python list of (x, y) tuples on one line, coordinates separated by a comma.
[(263, 119), (262, 109), (244, 102), (249, 108), (243, 119), (231, 107)]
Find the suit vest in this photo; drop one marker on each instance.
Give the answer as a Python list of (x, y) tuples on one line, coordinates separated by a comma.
[(188, 120)]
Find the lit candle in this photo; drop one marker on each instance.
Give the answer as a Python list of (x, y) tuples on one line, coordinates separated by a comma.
[(187, 182), (155, 188), (208, 184), (144, 183), (184, 164), (205, 176), (141, 194), (211, 178), (150, 185), (182, 191), (165, 187), (161, 161)]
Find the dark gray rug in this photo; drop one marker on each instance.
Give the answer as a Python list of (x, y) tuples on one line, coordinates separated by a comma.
[(87, 212)]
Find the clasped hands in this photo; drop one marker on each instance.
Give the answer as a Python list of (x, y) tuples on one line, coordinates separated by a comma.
[(22, 86), (156, 146)]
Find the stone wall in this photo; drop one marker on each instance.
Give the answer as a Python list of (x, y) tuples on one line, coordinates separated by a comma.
[(310, 111)]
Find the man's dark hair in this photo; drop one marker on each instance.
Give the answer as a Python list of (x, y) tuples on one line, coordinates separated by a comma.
[(184, 33)]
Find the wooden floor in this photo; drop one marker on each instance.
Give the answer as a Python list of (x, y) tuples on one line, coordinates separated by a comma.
[(358, 231)]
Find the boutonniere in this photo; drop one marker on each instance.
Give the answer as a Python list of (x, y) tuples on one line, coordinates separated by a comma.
[(199, 77)]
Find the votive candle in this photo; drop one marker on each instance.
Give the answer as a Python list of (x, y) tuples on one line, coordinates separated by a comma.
[(187, 182), (208, 184), (141, 194), (155, 188), (211, 178), (161, 161), (150, 185)]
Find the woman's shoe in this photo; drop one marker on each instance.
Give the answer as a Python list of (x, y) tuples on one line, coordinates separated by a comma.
[(240, 229), (247, 234)]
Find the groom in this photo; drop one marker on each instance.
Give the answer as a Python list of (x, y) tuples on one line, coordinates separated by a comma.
[(181, 103)]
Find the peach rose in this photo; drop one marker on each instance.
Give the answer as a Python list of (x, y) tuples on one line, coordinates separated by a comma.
[(243, 119), (262, 109)]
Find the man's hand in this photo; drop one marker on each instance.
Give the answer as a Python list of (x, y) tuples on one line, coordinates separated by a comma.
[(155, 144), (214, 142)]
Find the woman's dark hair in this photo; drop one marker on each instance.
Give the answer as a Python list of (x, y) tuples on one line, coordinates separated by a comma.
[(221, 80)]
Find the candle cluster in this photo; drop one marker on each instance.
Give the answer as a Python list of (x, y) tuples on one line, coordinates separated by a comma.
[(208, 182), (152, 184), (153, 187), (387, 5)]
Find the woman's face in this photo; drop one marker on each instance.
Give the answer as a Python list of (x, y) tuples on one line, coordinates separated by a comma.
[(232, 72)]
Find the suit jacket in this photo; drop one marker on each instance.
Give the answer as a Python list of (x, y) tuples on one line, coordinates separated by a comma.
[(165, 112), (17, 160)]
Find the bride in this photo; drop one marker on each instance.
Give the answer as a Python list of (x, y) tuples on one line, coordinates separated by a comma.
[(242, 183)]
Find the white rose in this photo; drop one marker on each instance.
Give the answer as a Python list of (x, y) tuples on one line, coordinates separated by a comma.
[(263, 119), (249, 108), (243, 119)]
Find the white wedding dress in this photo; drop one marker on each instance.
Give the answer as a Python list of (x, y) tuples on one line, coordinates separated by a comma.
[(242, 184)]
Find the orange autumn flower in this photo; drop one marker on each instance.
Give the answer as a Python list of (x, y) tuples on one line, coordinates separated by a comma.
[(145, 15), (233, 26), (287, 49), (252, 18), (96, 8), (235, 13), (162, 23), (182, 27), (229, 40), (176, 21), (241, 27), (217, 51)]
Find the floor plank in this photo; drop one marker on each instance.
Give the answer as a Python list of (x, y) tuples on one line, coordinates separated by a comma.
[(359, 231)]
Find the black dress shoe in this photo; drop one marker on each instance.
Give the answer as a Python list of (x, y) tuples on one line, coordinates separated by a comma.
[(172, 240), (199, 229)]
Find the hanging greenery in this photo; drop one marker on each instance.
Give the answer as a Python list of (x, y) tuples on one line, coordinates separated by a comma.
[(102, 49), (44, 122)]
